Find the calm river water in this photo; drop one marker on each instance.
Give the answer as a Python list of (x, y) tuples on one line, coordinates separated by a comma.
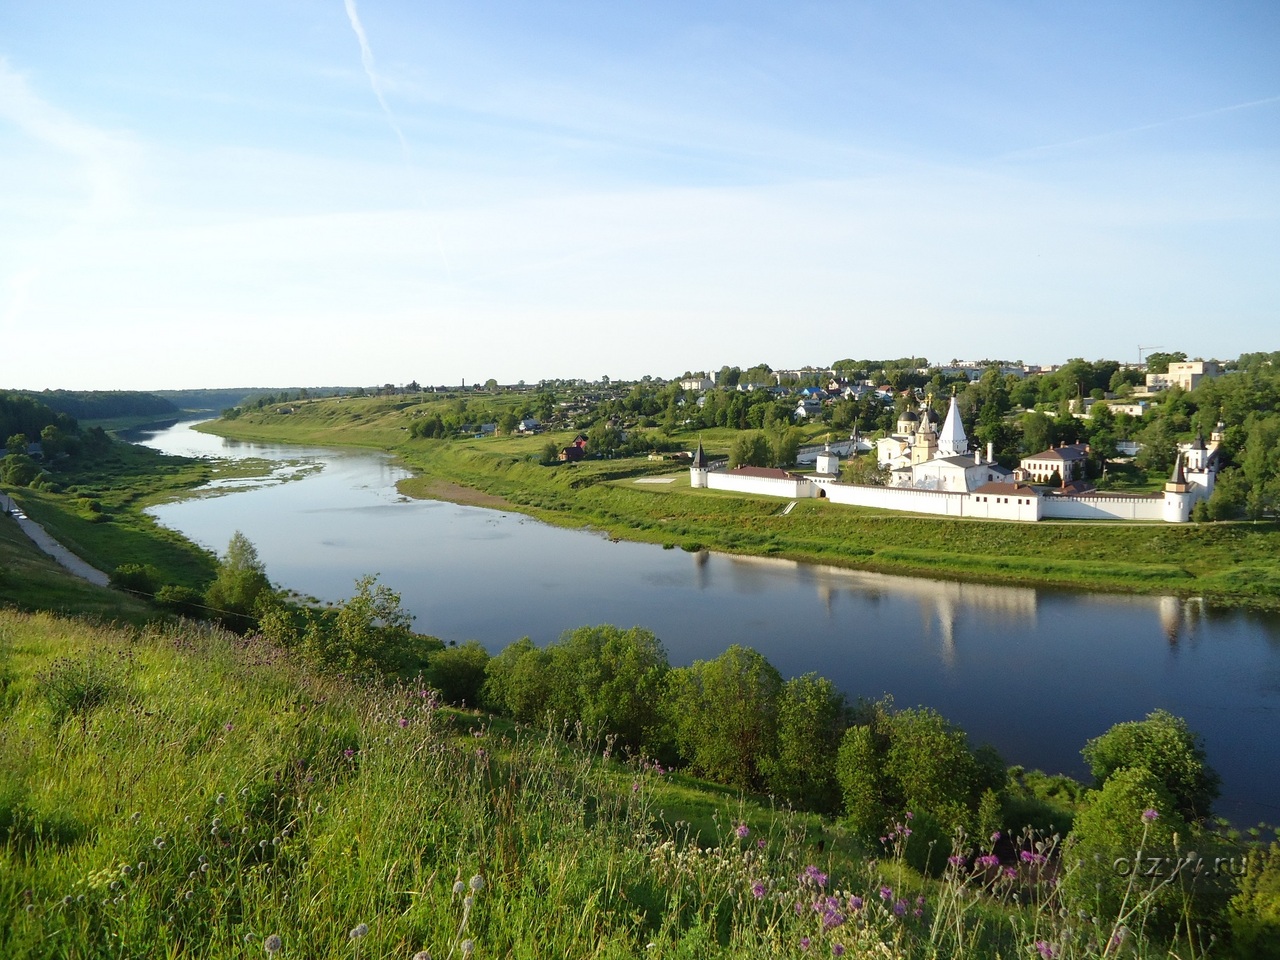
[(1036, 673)]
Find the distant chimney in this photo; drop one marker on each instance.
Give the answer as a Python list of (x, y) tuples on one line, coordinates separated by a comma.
[(991, 451)]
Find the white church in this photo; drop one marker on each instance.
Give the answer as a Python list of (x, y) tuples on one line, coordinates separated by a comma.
[(933, 472)]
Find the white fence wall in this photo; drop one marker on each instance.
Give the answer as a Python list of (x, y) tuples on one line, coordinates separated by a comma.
[(766, 486), (943, 503), (1103, 507)]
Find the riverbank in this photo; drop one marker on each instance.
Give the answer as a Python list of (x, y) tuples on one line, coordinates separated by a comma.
[(1231, 564)]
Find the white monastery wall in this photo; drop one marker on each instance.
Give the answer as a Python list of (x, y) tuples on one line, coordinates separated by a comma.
[(1103, 508), (766, 486)]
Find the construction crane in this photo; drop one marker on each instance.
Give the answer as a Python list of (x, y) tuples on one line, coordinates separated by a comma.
[(1141, 349)]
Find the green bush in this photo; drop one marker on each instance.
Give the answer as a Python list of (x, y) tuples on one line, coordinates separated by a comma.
[(138, 577), (459, 672)]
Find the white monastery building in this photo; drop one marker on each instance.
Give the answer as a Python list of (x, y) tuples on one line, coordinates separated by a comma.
[(942, 478)]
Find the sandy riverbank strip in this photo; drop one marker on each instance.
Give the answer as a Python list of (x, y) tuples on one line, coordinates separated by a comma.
[(433, 488)]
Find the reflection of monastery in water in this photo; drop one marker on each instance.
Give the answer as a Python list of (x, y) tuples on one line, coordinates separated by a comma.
[(939, 602), (932, 471)]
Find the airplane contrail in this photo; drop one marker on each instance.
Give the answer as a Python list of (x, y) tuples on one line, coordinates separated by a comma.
[(366, 58), (1156, 124)]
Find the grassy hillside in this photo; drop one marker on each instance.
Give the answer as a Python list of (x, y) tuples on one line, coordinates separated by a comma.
[(1227, 562), (180, 792)]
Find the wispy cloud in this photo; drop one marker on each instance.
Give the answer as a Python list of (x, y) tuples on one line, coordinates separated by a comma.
[(1142, 127), (366, 58), (101, 154)]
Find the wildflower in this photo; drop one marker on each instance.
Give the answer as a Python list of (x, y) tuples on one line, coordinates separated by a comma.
[(459, 887), (757, 890), (468, 947), (227, 726), (220, 799), (855, 903), (837, 949), (403, 723), (956, 861), (158, 843), (422, 955), (1150, 814), (477, 883), (899, 908), (886, 893), (760, 844), (635, 787), (995, 837), (272, 944), (910, 815), (359, 932), (743, 831), (348, 753), (814, 875), (987, 860), (1046, 950), (804, 943)]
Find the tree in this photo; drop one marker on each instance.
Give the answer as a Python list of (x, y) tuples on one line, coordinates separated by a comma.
[(507, 423), (1130, 818), (459, 672), (241, 580), (1163, 745), (1037, 432), (725, 716), (811, 719), (612, 680), (750, 450), (932, 767), (516, 681), (783, 446)]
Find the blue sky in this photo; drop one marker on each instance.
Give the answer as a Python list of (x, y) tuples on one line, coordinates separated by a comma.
[(287, 192)]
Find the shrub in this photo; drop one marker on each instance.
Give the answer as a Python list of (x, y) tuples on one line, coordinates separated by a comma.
[(181, 600), (137, 577), (1163, 745), (459, 672)]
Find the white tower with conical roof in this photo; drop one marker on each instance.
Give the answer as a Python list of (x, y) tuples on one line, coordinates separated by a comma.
[(699, 468), (952, 441)]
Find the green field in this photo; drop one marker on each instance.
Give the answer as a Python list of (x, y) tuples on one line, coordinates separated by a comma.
[(1227, 563)]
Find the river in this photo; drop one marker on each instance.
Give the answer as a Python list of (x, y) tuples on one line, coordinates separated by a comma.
[(1034, 672)]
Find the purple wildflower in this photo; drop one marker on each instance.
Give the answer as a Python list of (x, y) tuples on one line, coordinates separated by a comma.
[(899, 908), (855, 903), (804, 943), (837, 949), (403, 723), (886, 893), (757, 890), (956, 861), (814, 876), (1046, 949), (743, 831), (348, 753), (987, 860), (760, 844), (1150, 814), (995, 837)]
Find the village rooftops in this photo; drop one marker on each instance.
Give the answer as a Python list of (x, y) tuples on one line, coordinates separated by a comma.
[(1008, 489)]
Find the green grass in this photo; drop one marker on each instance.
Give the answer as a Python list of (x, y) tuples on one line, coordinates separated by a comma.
[(1227, 563), (30, 580), (179, 792)]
